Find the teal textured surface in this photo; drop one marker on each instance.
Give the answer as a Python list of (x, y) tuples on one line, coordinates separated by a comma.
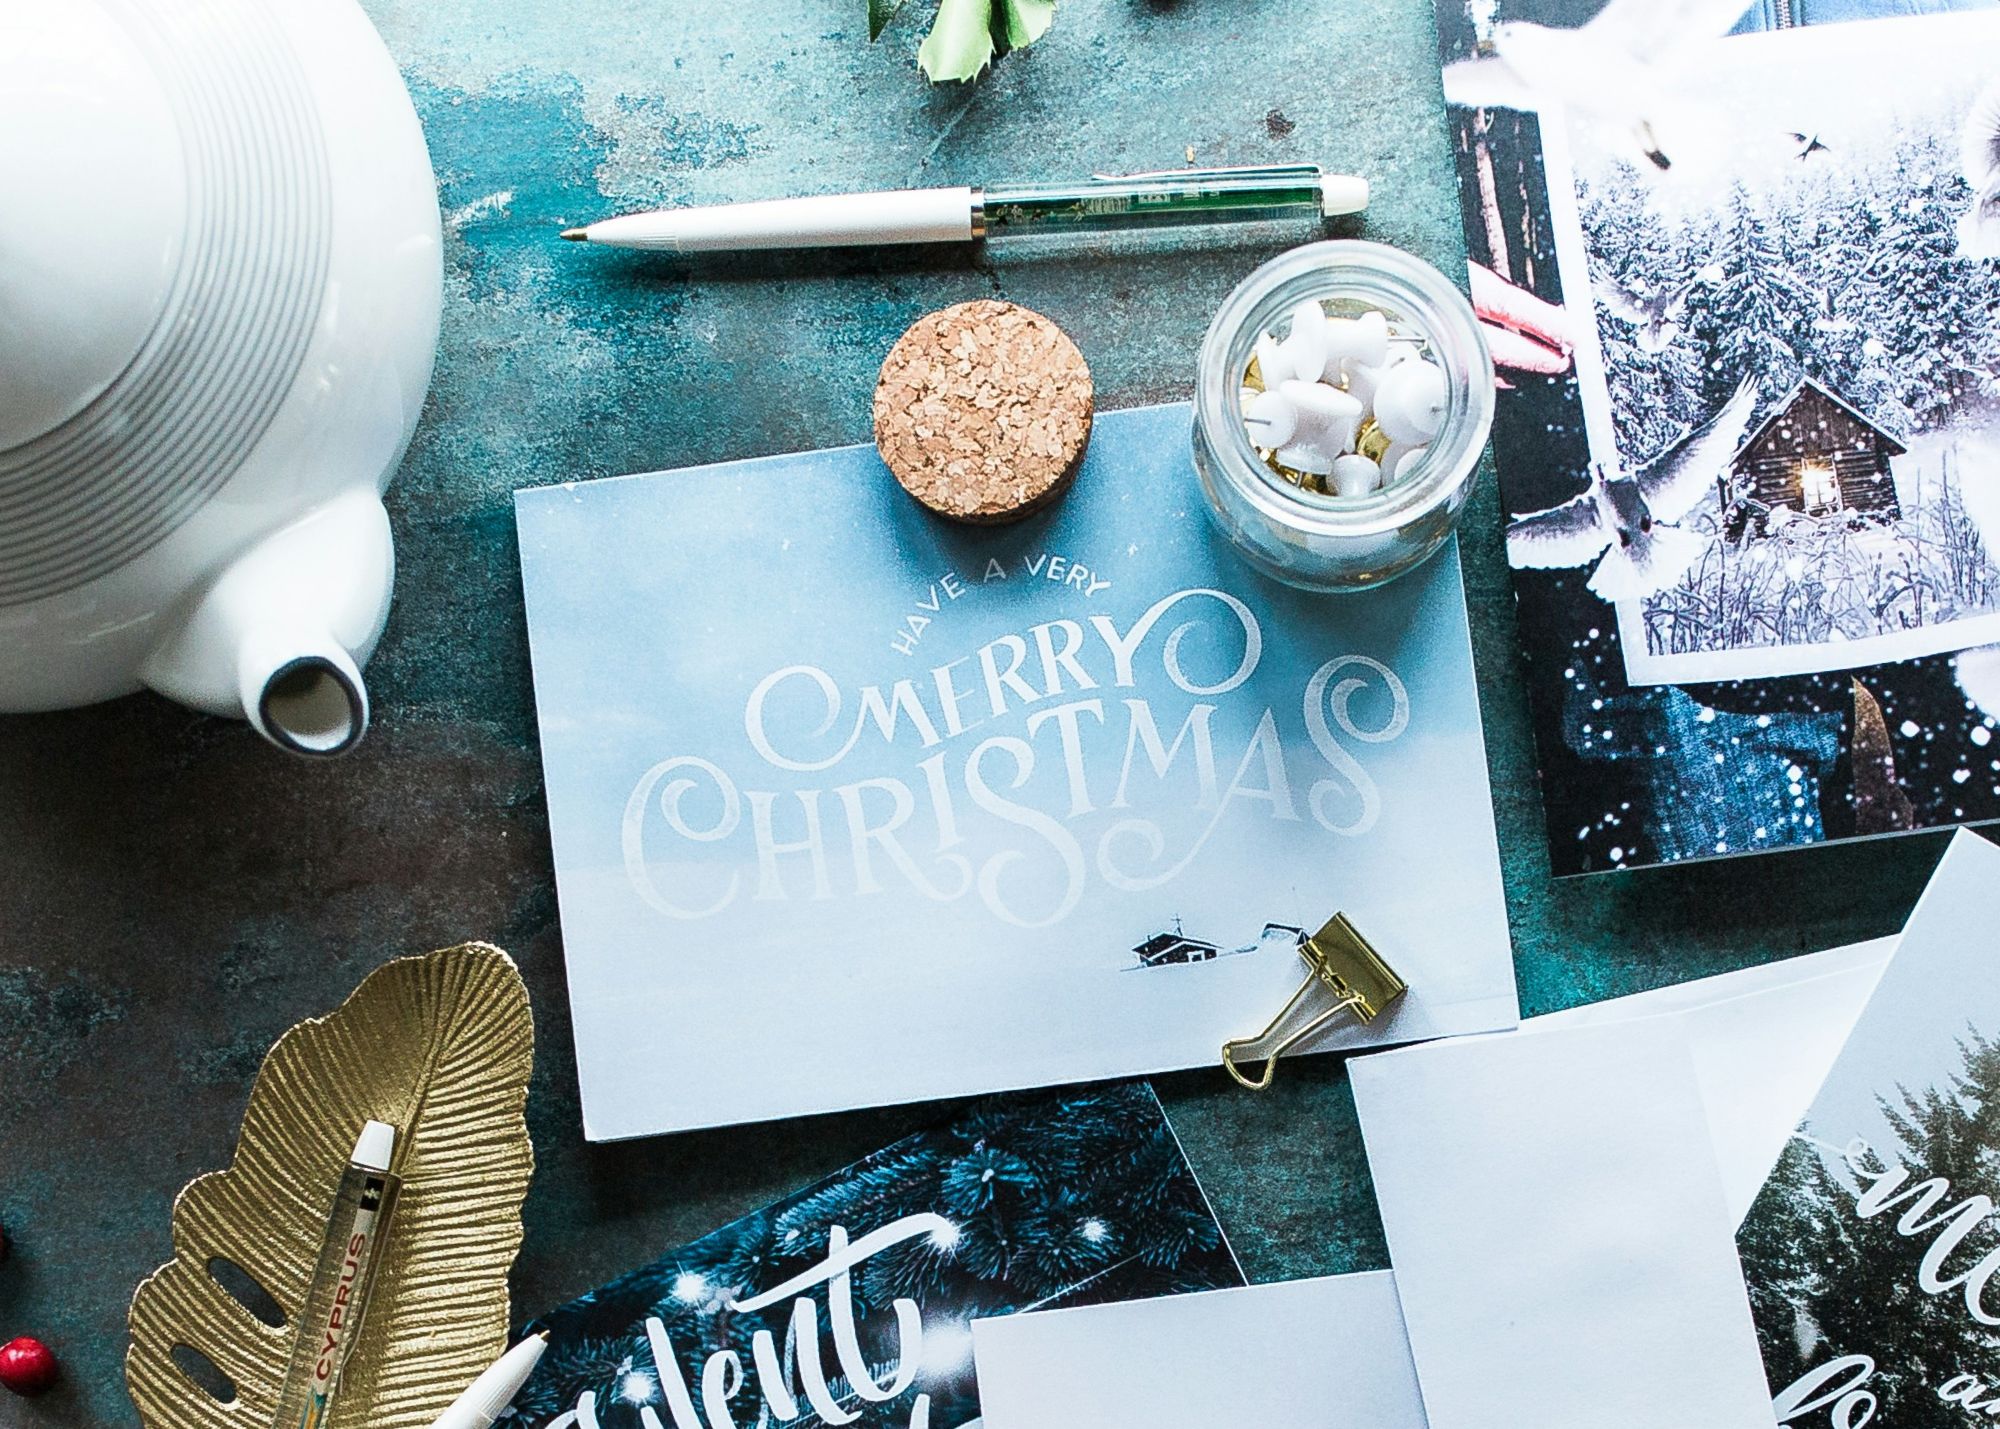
[(176, 893)]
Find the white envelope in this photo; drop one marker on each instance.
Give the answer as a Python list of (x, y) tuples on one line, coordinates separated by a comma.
[(1560, 1203), (1743, 1054), (1315, 1354), (1762, 1040)]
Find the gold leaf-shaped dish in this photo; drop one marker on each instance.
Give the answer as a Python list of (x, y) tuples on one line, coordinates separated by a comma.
[(439, 1047)]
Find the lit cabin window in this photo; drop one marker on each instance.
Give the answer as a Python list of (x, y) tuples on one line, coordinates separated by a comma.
[(1819, 490)]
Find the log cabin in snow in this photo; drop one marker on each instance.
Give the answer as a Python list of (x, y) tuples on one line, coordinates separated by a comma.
[(1816, 455)]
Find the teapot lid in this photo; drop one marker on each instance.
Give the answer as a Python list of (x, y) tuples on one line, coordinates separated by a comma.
[(93, 209)]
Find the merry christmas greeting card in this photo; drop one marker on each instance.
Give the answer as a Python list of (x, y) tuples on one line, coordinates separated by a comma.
[(1741, 274), (851, 1303), (1871, 1251), (854, 806)]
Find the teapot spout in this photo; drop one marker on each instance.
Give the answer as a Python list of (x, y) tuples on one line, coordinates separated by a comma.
[(310, 700), (280, 636)]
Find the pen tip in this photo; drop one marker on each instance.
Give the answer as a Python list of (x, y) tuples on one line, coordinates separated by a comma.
[(576, 235), (1342, 194)]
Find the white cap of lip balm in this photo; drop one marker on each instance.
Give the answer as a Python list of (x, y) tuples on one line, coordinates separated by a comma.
[(1342, 193), (375, 1148)]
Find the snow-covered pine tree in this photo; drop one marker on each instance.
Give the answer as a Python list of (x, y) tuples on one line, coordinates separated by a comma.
[(1825, 1282), (1756, 319), (1043, 1203), (1929, 315), (1656, 394)]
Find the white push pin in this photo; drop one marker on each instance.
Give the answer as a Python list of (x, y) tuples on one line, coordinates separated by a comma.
[(1364, 339), (1272, 363), (1355, 475), (1271, 419), (1361, 382), (1399, 454), (1328, 417), (1307, 456), (1365, 382), (1305, 347), (1410, 402)]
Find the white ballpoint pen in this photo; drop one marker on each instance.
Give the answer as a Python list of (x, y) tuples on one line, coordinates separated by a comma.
[(961, 215), (494, 1390)]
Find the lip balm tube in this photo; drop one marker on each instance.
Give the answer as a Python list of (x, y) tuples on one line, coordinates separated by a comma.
[(337, 1296)]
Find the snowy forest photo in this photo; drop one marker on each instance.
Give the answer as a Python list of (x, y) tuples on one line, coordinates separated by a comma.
[(1805, 248)]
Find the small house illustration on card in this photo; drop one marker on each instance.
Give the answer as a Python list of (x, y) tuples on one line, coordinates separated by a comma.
[(1175, 948)]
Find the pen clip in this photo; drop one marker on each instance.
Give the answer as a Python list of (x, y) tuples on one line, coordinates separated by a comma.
[(1339, 959)]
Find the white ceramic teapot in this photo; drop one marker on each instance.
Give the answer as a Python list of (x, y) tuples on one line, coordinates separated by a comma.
[(220, 275)]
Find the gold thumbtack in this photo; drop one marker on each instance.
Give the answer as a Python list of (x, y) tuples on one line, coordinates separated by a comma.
[(1341, 960)]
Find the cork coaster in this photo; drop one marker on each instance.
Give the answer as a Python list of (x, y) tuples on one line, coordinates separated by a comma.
[(983, 410)]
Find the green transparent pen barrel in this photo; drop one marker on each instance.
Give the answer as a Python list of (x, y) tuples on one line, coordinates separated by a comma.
[(1137, 203)]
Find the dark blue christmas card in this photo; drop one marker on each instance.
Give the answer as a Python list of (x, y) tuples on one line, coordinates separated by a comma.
[(1740, 269), (851, 1303)]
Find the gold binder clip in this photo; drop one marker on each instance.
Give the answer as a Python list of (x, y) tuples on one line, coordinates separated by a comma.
[(1342, 961)]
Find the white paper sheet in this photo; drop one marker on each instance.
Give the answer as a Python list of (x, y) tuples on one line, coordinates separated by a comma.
[(1561, 1236), (1762, 1040), (1311, 1354)]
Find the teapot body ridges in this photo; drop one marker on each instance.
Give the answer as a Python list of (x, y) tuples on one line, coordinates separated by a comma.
[(230, 233)]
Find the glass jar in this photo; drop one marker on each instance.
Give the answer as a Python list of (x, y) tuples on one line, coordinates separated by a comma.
[(1336, 543)]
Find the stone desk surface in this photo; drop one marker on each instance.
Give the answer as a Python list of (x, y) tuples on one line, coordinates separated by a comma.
[(176, 893)]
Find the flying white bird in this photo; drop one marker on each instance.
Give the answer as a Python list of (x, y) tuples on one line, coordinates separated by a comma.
[(1656, 313), (1979, 154), (1618, 68), (1628, 520)]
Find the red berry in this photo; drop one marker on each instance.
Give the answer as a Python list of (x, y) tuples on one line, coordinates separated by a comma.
[(27, 1366)]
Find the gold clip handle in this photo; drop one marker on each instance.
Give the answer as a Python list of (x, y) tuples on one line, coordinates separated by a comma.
[(1346, 1004), (1339, 959)]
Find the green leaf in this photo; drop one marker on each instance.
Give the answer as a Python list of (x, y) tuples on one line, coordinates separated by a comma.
[(960, 43), (880, 13), (1026, 20)]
